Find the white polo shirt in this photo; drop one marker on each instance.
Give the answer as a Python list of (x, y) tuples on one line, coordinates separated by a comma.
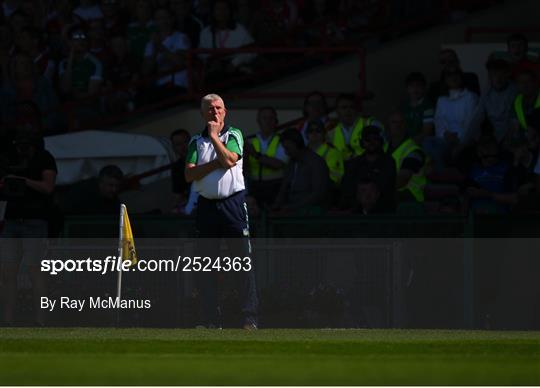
[(220, 183)]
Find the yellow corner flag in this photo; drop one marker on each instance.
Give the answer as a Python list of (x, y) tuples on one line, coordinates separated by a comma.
[(127, 242)]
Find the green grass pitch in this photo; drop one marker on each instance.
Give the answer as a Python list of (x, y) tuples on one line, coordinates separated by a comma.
[(81, 356)]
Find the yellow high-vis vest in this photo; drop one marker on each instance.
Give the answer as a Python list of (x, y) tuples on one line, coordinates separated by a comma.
[(334, 161), (520, 112), (354, 148), (256, 170), (418, 181)]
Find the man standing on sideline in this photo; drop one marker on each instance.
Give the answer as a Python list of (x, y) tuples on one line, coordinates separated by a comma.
[(214, 165)]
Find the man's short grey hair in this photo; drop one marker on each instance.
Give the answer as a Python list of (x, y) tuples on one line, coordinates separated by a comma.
[(209, 98)]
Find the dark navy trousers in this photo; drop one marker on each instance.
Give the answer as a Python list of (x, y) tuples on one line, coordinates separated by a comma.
[(219, 219)]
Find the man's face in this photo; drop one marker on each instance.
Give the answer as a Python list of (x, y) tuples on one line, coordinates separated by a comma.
[(267, 120), (214, 111), (416, 90), (109, 187), (315, 107), (315, 135), (142, 11), (518, 49), (367, 195), (372, 143), (25, 42), (79, 42), (180, 144), (290, 149), (448, 59), (498, 79), (346, 111), (453, 81), (488, 154)]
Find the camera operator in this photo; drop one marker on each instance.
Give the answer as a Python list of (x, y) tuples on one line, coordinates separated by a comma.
[(27, 187)]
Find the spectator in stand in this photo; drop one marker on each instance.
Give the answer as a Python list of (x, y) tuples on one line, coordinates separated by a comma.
[(25, 85), (81, 73), (266, 159), (347, 134), (19, 21), (319, 17), (449, 60), (88, 10), (120, 71), (525, 156), (368, 197), (518, 54), (165, 52), (494, 111), (180, 187), (141, 29), (409, 158), (35, 12), (97, 41), (30, 42), (304, 189), (274, 21), (419, 110), (224, 32), (28, 189), (114, 20), (57, 20), (453, 116), (374, 164), (99, 196), (317, 142), (527, 100), (490, 186), (315, 108), (185, 21)]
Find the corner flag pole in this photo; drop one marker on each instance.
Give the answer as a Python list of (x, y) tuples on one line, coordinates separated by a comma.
[(120, 254)]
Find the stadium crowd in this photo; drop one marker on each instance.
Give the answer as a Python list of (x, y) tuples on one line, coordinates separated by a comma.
[(113, 56), (446, 150)]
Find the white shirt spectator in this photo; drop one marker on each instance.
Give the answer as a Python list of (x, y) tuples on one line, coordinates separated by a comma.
[(495, 106), (236, 38), (454, 113), (175, 43), (92, 12)]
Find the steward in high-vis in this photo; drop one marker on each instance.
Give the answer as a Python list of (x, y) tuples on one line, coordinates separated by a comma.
[(334, 160), (528, 98), (266, 158), (347, 134), (410, 160)]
